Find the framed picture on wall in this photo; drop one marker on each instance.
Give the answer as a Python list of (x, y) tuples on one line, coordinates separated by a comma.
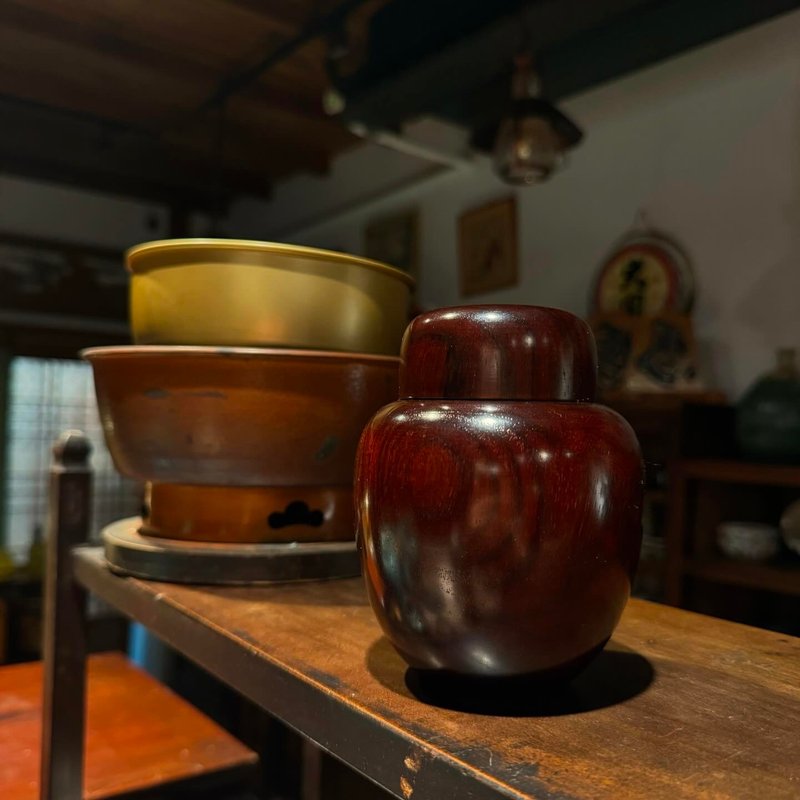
[(393, 239), (487, 247)]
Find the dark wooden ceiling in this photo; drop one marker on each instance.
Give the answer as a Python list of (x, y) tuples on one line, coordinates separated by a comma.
[(122, 94), (192, 102)]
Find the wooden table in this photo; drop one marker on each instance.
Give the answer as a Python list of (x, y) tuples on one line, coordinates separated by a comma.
[(139, 735), (679, 705)]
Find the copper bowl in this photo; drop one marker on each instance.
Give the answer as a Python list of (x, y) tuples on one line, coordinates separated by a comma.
[(238, 416), (249, 514), (263, 294)]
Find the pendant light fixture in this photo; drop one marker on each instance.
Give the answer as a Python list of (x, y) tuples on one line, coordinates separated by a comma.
[(533, 136)]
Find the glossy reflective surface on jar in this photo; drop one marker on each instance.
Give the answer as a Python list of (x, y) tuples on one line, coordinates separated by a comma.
[(499, 537), (502, 540), (499, 352)]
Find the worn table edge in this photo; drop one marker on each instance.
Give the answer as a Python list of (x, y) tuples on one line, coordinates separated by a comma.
[(334, 722)]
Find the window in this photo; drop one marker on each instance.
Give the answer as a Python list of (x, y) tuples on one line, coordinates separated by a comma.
[(46, 397)]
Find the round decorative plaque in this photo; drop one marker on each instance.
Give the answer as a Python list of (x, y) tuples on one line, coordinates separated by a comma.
[(646, 274)]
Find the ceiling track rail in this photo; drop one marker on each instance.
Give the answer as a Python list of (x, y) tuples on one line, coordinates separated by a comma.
[(411, 147)]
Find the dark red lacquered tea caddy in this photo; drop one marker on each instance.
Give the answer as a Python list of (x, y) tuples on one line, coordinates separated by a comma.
[(499, 509)]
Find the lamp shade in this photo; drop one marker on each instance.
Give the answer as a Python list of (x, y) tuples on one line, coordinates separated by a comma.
[(532, 137)]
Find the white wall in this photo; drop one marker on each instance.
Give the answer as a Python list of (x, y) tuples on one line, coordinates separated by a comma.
[(708, 144)]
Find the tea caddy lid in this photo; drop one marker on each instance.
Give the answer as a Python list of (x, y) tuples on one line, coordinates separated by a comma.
[(499, 352)]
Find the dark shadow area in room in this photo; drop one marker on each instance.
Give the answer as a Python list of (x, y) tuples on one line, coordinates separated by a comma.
[(617, 674)]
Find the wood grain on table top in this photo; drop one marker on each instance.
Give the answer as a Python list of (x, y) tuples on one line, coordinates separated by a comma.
[(139, 734), (679, 705)]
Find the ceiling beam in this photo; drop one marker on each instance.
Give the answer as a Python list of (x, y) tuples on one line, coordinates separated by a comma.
[(646, 35), (287, 16), (576, 45), (156, 92), (30, 35), (257, 146), (127, 184), (42, 143), (211, 29), (258, 149), (435, 80), (236, 81), (150, 116), (40, 66)]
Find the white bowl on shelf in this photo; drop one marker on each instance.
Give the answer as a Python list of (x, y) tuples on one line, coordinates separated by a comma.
[(747, 541)]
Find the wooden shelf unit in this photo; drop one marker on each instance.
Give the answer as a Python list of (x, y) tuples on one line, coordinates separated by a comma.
[(767, 577), (670, 426), (689, 445), (709, 491), (747, 472)]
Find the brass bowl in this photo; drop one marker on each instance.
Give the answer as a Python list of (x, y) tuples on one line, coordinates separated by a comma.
[(238, 416), (238, 293), (249, 514)]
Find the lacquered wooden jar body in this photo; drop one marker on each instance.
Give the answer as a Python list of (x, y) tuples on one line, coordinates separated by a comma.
[(499, 535), (498, 538)]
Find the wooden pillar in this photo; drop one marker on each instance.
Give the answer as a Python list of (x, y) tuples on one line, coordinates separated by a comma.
[(65, 622)]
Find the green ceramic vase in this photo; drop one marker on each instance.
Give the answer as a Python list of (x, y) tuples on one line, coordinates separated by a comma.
[(768, 415)]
